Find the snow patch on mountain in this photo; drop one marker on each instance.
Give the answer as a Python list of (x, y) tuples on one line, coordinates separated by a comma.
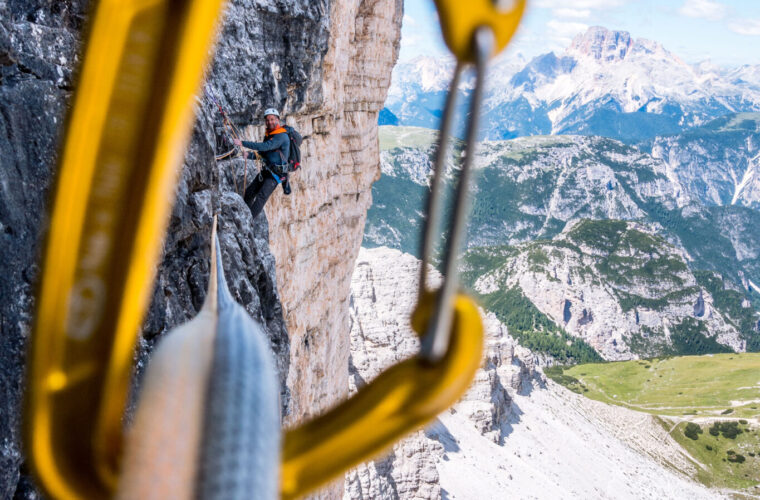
[(606, 83), (749, 187), (719, 163)]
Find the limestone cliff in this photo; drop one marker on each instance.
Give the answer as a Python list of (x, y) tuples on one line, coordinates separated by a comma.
[(514, 434), (326, 64), (383, 295), (315, 234)]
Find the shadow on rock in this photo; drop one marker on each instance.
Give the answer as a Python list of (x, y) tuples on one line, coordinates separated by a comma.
[(437, 431)]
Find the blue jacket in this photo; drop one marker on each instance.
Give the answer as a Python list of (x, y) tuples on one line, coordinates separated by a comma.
[(275, 149)]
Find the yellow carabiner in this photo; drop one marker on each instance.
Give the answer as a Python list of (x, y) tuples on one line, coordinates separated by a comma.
[(403, 398), (460, 20), (126, 136), (127, 131)]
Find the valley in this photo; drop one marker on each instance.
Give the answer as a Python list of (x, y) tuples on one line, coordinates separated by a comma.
[(585, 247), (614, 237), (516, 433)]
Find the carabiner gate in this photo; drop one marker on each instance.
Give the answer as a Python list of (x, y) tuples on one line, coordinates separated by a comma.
[(436, 340), (474, 32)]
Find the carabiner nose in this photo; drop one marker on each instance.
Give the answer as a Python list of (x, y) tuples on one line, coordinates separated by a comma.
[(460, 20)]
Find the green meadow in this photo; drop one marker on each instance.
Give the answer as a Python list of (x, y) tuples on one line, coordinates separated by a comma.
[(723, 460), (406, 137), (710, 385), (709, 404)]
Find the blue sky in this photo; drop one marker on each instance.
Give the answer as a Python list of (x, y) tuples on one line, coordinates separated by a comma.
[(726, 32)]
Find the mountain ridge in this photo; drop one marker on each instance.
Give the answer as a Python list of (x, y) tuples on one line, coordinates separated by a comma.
[(534, 192), (605, 83)]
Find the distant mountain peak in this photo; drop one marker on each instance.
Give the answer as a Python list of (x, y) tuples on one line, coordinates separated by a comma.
[(605, 83), (602, 44), (430, 73)]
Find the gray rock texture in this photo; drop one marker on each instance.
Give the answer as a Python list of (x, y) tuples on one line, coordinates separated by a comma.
[(605, 293), (38, 51), (321, 62), (383, 296), (717, 163)]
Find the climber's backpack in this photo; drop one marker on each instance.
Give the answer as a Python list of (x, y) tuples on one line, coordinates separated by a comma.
[(294, 158)]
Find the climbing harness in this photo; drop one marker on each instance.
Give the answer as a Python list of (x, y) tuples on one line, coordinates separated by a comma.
[(279, 172), (142, 64)]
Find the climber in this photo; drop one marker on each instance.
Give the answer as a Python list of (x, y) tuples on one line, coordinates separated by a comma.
[(276, 150)]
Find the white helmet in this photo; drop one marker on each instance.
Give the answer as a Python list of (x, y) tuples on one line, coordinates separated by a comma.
[(271, 111)]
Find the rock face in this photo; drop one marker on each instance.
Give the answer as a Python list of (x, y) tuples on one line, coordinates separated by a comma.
[(718, 163), (528, 188), (513, 431), (316, 233), (531, 191), (622, 289), (532, 187), (326, 64), (38, 50), (602, 44), (383, 295)]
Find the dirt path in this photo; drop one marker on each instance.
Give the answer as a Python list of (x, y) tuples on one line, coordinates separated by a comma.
[(707, 420), (652, 410)]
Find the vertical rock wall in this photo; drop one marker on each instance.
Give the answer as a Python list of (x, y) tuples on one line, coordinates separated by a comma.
[(39, 41), (315, 234), (327, 65)]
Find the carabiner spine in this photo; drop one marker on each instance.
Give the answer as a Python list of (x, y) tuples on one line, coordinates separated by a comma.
[(433, 205), (143, 63)]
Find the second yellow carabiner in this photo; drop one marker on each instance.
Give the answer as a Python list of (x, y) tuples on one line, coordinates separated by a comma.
[(460, 21)]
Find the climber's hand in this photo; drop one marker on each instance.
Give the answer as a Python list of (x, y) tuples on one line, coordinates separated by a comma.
[(237, 142)]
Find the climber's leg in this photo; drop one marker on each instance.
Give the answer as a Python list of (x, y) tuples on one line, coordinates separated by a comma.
[(258, 192)]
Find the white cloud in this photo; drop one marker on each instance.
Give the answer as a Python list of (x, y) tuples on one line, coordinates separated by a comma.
[(409, 21), (565, 30), (572, 13), (410, 40), (745, 27), (704, 9)]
